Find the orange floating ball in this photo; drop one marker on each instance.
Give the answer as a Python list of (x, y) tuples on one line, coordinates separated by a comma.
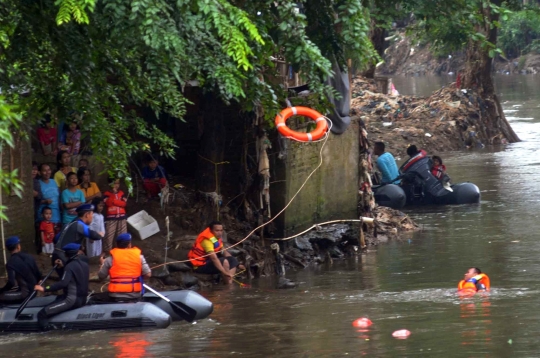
[(402, 334), (362, 322)]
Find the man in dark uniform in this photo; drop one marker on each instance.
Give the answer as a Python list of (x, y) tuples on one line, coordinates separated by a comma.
[(23, 273), (74, 283), (75, 232)]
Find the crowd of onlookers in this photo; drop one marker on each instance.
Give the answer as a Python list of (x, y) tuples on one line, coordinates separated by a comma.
[(56, 198)]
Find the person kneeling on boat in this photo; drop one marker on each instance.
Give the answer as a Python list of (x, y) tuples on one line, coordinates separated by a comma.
[(127, 268), (74, 283), (203, 255), (76, 232), (473, 281), (23, 273)]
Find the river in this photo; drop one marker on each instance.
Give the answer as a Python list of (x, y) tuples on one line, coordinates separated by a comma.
[(403, 284)]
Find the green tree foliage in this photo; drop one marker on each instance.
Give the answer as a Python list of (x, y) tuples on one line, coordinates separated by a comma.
[(520, 33), (10, 122), (103, 58)]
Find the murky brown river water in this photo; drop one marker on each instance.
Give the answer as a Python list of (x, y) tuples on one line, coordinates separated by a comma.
[(408, 284)]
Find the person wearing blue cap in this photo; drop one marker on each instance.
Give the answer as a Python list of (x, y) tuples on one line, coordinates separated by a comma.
[(126, 268), (74, 283), (75, 232), (23, 273)]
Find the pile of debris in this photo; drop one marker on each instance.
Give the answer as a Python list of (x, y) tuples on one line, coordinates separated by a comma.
[(326, 243), (449, 119)]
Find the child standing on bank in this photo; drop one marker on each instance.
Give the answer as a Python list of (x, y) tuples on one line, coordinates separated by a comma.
[(115, 216), (94, 247), (46, 231)]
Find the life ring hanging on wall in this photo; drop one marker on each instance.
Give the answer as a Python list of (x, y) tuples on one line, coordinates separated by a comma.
[(316, 134)]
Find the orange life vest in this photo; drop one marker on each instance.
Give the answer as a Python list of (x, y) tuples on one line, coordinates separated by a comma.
[(197, 250), (471, 285), (126, 271)]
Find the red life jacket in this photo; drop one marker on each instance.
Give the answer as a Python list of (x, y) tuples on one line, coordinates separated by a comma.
[(126, 271), (115, 205), (438, 171), (197, 251), (421, 154)]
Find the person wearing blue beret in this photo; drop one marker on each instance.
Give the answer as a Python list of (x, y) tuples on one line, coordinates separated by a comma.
[(126, 268), (76, 232), (23, 273), (73, 282)]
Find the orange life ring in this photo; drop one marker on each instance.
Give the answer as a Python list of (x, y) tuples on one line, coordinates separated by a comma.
[(319, 131)]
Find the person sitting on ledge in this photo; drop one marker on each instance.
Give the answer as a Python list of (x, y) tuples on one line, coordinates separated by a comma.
[(154, 178), (203, 255)]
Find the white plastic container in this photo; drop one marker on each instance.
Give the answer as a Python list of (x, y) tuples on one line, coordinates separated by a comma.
[(142, 225)]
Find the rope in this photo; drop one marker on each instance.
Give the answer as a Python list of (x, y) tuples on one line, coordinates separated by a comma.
[(279, 213), (314, 226)]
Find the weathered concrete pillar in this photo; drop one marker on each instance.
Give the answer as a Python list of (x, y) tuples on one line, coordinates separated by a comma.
[(331, 193)]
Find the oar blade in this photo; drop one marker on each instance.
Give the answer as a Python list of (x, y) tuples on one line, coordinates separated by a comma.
[(25, 303), (187, 313), (184, 311)]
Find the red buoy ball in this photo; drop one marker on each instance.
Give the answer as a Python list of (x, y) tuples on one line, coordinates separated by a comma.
[(401, 334), (362, 322)]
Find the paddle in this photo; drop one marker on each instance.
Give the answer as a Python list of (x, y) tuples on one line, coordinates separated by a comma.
[(185, 312), (33, 294)]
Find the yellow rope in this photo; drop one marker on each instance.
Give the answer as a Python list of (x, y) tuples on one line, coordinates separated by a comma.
[(275, 216), (314, 226)]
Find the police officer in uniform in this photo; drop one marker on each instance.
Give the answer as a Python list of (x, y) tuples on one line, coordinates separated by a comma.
[(75, 232), (74, 283), (23, 273)]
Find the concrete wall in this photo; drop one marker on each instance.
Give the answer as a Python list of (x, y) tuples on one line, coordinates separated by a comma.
[(331, 193), (20, 211)]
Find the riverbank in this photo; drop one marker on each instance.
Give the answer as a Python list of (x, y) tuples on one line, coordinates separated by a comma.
[(319, 246)]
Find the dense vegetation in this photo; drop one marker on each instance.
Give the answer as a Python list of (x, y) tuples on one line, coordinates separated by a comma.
[(105, 58), (99, 58)]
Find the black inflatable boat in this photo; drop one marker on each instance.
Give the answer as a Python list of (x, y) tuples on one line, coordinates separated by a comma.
[(420, 187), (153, 312)]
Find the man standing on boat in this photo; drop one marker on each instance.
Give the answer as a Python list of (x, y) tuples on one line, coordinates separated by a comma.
[(23, 273), (74, 283), (386, 164), (127, 268), (203, 255)]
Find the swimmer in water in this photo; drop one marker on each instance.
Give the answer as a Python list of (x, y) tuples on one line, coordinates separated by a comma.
[(474, 280)]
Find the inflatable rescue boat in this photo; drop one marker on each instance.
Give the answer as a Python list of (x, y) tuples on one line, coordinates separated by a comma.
[(420, 187), (152, 312)]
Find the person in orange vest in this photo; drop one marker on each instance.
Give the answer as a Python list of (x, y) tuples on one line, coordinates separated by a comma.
[(203, 255), (474, 280), (126, 268)]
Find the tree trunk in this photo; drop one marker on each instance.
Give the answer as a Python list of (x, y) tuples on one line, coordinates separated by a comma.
[(377, 39), (477, 75)]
